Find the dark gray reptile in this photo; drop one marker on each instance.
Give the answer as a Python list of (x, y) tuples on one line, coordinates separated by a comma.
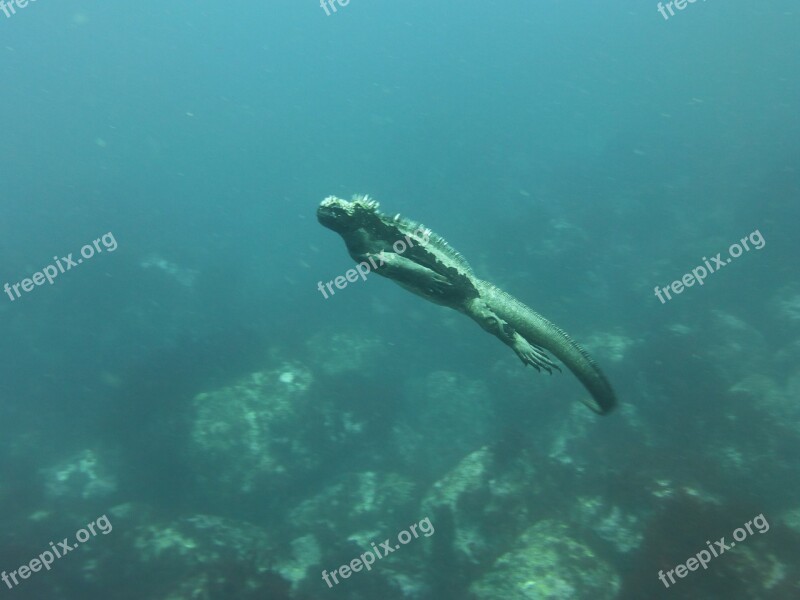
[(424, 263)]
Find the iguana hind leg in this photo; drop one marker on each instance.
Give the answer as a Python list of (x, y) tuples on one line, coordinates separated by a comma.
[(529, 354)]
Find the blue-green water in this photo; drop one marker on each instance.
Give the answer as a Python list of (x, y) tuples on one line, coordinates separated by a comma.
[(189, 384)]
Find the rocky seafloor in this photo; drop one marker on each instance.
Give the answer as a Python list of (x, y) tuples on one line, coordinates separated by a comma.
[(300, 466)]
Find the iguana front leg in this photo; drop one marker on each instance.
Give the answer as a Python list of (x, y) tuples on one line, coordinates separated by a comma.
[(409, 274), (529, 354)]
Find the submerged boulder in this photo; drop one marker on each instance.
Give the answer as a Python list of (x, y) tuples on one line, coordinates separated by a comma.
[(254, 430), (548, 564)]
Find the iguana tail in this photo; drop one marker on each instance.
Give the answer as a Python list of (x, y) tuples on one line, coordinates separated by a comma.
[(538, 330)]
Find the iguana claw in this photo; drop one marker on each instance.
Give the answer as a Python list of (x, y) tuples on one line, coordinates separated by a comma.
[(534, 356)]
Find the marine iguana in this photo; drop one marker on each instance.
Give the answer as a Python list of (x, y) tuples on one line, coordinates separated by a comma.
[(431, 268)]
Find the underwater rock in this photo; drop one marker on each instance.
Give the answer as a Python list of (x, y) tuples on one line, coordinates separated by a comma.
[(82, 476), (770, 412), (353, 352), (621, 529), (567, 440), (480, 493), (361, 505), (305, 554), (611, 347), (146, 556), (548, 564), (253, 430), (448, 417), (199, 556), (760, 565), (348, 517)]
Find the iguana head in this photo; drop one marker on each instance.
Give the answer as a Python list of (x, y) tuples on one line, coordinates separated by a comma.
[(342, 216)]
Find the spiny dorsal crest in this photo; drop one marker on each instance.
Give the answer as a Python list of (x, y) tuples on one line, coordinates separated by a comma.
[(366, 202), (405, 226)]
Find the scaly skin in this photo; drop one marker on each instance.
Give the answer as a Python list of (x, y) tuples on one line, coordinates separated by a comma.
[(429, 267)]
